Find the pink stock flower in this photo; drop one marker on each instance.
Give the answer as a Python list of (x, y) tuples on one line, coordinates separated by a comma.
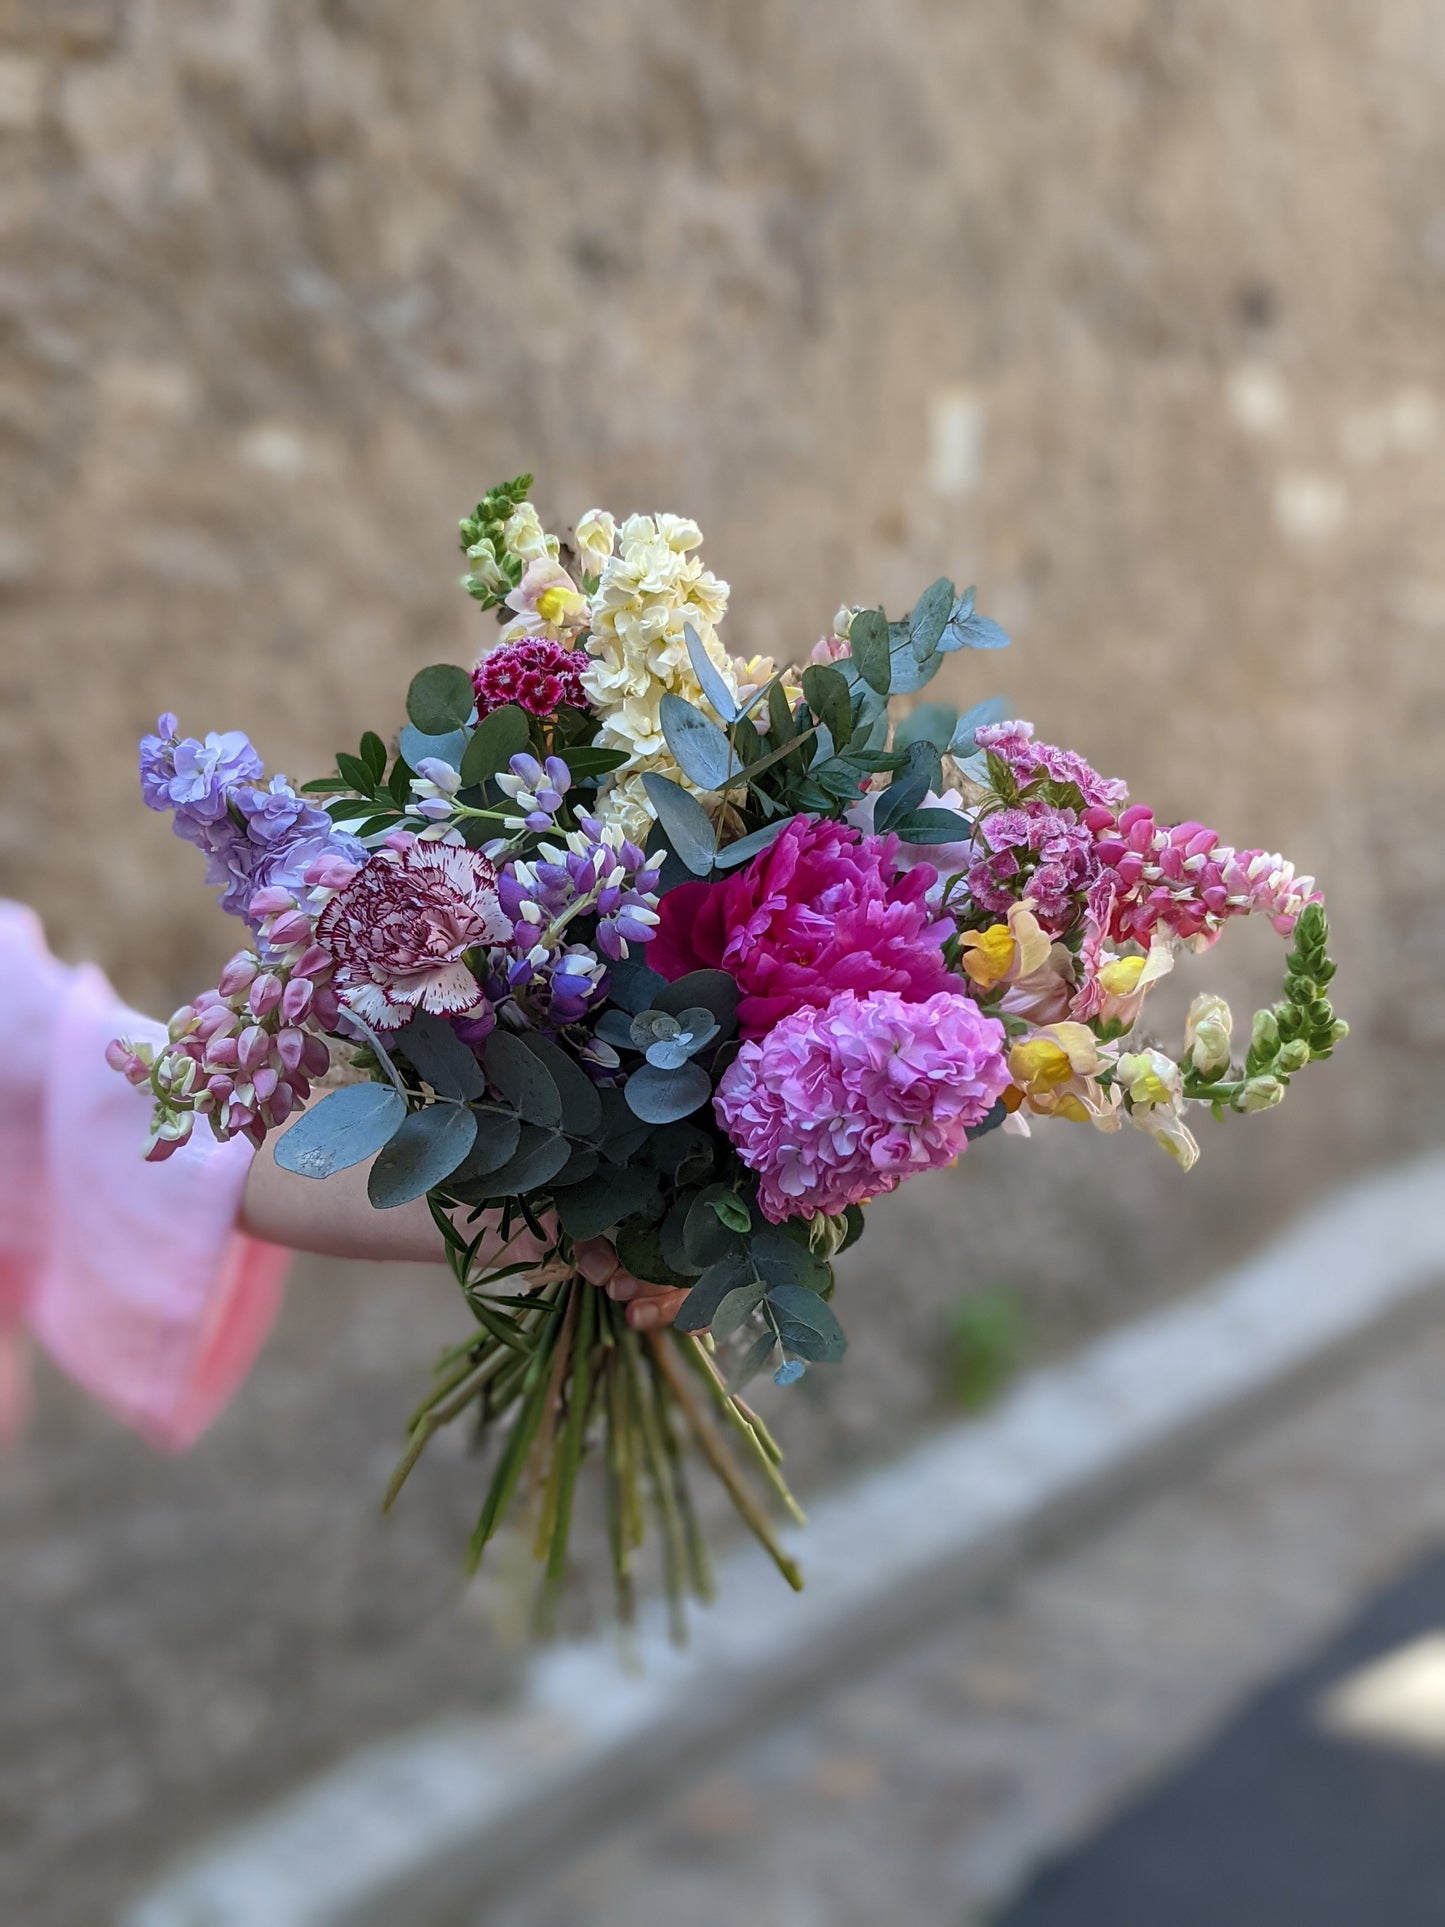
[(836, 1105), (399, 932), (535, 672), (1182, 880), (821, 911)]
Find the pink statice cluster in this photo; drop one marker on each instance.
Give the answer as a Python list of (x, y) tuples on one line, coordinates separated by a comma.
[(1181, 880), (835, 1105), (535, 672), (825, 909)]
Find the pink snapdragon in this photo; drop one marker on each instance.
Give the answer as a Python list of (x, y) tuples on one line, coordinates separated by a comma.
[(835, 1105), (1182, 880)]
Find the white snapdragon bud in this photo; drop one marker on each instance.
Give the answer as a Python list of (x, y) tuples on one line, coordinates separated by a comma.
[(1208, 1032)]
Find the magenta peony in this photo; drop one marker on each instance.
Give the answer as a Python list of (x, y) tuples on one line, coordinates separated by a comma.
[(399, 932), (825, 909), (835, 1105), (534, 671)]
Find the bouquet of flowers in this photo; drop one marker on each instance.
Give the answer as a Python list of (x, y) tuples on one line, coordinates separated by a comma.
[(623, 937)]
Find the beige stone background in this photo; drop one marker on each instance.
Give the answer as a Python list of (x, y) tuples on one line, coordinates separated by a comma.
[(1129, 312)]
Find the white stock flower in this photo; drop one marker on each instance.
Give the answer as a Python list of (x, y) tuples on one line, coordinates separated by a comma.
[(595, 536)]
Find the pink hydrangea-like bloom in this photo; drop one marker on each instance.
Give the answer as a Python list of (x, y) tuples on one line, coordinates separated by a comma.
[(824, 909), (1014, 742), (836, 1105), (535, 672), (399, 932), (1181, 879)]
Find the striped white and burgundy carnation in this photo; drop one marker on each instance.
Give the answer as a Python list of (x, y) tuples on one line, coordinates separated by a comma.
[(399, 932)]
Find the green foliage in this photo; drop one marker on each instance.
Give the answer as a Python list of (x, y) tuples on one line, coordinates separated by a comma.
[(987, 1338), (439, 699)]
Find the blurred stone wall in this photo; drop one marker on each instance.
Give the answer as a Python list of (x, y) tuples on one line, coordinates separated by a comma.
[(1127, 311)]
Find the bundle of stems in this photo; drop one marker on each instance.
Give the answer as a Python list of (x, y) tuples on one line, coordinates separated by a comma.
[(553, 1373)]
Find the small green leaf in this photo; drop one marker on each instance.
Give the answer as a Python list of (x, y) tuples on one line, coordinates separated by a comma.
[(930, 723), (594, 1206), (732, 1212), (539, 1156), (931, 827), (355, 773), (439, 699), (994, 709), (808, 1324), (713, 990), (495, 741), (498, 1135), (581, 1106), (373, 754)]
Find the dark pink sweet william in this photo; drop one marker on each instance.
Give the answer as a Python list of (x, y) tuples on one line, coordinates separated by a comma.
[(535, 672), (824, 910)]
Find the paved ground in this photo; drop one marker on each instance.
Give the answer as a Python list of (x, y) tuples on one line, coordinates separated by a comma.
[(929, 1790)]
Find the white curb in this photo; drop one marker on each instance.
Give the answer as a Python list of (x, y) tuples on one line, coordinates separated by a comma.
[(452, 1813)]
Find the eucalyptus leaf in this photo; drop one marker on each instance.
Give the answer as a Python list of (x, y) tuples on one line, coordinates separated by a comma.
[(581, 1165), (702, 750), (674, 1247), (638, 1244), (700, 1306), (753, 1361), (929, 723), (426, 1149), (440, 699), (344, 1128), (660, 1097), (808, 1324), (539, 1156), (713, 990), (931, 827), (498, 1135), (684, 819), (782, 1261), (735, 1310), (614, 1027), (635, 987), (435, 1051), (929, 617), (994, 709), (872, 649), (523, 1080), (747, 847), (967, 630), (827, 695), (707, 1237), (415, 746), (581, 1106), (709, 676), (586, 761), (497, 738), (589, 1209)]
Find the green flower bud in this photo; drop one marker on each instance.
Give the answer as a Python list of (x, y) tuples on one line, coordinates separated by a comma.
[(826, 1232), (1265, 1036), (1293, 1056), (1260, 1094)]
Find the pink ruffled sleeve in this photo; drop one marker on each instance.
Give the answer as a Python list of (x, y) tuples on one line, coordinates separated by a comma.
[(131, 1275)]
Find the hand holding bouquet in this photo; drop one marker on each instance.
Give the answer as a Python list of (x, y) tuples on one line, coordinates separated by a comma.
[(626, 939)]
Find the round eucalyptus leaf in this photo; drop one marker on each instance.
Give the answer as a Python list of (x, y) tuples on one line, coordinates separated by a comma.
[(426, 1149), (344, 1128), (440, 698), (661, 1097)]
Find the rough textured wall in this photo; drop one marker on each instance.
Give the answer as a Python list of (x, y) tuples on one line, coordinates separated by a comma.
[(1129, 312)]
